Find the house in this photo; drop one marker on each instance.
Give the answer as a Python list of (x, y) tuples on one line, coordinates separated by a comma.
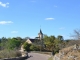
[(30, 41), (40, 37)]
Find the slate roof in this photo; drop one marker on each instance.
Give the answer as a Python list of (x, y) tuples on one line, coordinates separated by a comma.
[(32, 40), (40, 32)]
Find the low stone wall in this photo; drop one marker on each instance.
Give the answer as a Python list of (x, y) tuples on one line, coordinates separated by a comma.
[(17, 58), (48, 53)]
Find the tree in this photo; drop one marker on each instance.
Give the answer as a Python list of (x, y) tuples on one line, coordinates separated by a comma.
[(76, 35), (26, 46), (52, 43), (49, 42), (34, 48), (59, 37), (19, 38), (13, 43), (46, 42), (3, 42), (59, 41), (26, 38), (3, 39)]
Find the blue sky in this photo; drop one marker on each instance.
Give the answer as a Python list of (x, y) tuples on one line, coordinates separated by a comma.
[(24, 17)]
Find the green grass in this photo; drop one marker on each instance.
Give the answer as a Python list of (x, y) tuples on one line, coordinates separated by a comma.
[(51, 58)]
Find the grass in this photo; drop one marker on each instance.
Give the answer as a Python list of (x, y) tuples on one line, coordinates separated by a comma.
[(9, 53), (51, 58)]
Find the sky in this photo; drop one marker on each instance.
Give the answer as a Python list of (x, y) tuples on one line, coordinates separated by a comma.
[(24, 18)]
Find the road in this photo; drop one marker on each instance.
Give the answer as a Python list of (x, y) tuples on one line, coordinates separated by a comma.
[(37, 56)]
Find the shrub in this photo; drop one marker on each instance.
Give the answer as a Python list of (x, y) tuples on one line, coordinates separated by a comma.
[(9, 53), (26, 46), (34, 48)]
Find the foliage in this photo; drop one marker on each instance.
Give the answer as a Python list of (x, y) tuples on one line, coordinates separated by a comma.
[(9, 53), (10, 43), (49, 43), (53, 43), (34, 48), (13, 43), (51, 58), (30, 47), (26, 46)]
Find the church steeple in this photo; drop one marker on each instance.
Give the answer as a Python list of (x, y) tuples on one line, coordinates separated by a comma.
[(40, 34), (41, 31)]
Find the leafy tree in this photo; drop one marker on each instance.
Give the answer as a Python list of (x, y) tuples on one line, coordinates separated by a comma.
[(26, 46), (3, 42), (10, 43), (49, 42), (19, 38), (52, 43), (59, 41), (60, 37), (13, 43), (34, 48)]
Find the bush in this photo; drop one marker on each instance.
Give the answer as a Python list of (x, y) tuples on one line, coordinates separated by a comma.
[(34, 48), (26, 46), (9, 53)]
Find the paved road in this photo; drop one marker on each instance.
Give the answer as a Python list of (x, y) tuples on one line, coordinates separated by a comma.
[(37, 56)]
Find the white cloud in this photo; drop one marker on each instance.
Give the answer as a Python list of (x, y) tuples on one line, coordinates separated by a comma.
[(14, 32), (55, 6), (49, 18), (4, 4), (5, 22), (62, 28)]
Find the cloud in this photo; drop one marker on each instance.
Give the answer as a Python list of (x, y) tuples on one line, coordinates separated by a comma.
[(14, 32), (4, 4), (62, 28), (55, 6), (49, 18), (5, 22)]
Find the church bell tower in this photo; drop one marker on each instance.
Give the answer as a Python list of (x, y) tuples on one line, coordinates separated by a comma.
[(40, 35)]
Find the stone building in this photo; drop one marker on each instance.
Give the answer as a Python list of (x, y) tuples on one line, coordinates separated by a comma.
[(40, 37)]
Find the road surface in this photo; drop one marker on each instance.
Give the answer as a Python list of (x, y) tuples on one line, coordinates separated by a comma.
[(37, 56)]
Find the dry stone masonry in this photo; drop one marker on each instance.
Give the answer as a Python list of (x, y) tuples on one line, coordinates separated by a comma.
[(70, 53)]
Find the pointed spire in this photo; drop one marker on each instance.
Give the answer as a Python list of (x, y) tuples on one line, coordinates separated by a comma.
[(41, 32)]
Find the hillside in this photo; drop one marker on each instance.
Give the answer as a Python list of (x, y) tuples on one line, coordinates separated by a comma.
[(69, 53)]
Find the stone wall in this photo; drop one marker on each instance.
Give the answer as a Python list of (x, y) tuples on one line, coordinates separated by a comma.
[(68, 53)]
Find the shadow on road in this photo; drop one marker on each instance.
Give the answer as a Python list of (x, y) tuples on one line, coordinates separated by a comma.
[(30, 56)]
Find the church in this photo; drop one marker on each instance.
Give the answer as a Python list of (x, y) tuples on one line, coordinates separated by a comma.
[(40, 37)]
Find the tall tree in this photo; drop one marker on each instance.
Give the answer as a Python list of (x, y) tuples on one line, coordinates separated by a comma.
[(60, 41), (60, 37), (76, 35), (49, 42)]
